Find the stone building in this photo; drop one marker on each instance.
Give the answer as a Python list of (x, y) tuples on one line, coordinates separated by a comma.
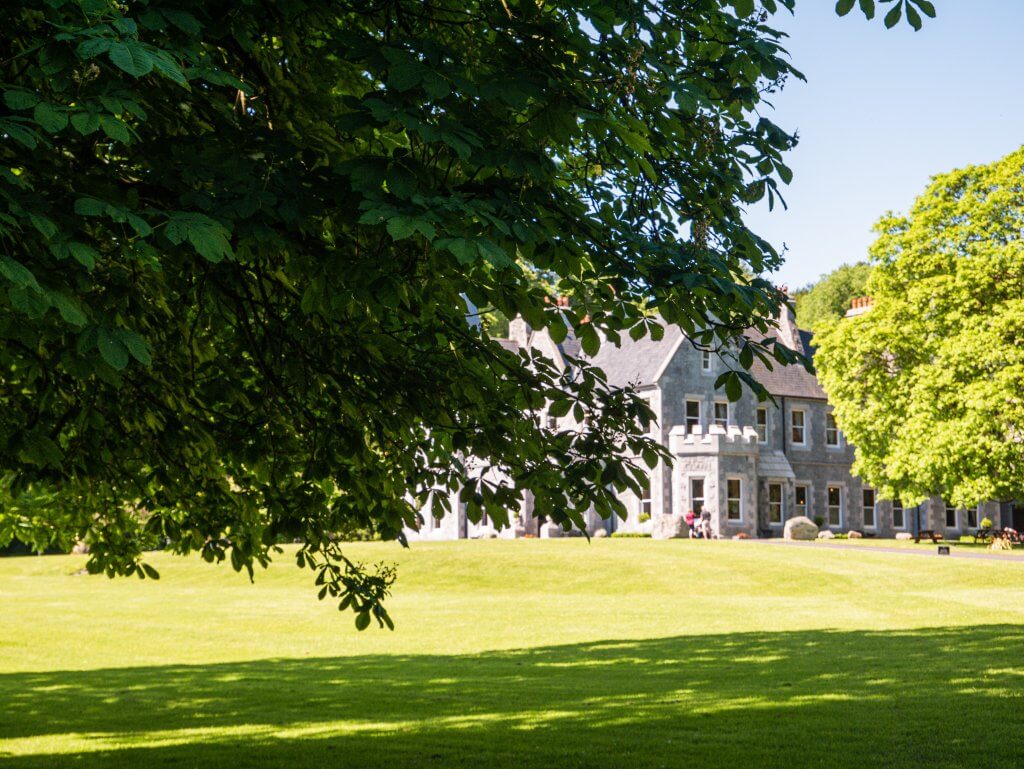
[(751, 465)]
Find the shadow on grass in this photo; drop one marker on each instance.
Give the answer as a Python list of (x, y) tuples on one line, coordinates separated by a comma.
[(794, 699)]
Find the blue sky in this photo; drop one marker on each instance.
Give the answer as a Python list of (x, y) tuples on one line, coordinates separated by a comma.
[(882, 112)]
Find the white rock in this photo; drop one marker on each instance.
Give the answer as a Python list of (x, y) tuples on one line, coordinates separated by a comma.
[(668, 527), (599, 534), (904, 535), (826, 534), (800, 527), (855, 535)]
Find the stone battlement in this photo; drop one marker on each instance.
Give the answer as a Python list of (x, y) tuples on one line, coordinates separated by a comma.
[(715, 438)]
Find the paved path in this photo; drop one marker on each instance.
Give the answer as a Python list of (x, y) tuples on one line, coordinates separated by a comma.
[(989, 556)]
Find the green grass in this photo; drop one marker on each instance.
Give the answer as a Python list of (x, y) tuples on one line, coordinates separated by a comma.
[(523, 654)]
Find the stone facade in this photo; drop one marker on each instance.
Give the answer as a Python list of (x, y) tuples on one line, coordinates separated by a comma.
[(751, 465)]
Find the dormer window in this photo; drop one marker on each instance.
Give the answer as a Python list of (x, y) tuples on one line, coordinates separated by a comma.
[(705, 360)]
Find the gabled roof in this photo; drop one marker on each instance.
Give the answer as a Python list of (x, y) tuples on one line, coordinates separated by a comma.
[(639, 362), (790, 381)]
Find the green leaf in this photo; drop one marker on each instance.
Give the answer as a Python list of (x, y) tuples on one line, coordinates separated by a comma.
[(589, 340), (893, 16), (20, 134), (362, 620), (129, 56), (208, 237), (733, 387), (914, 18), (867, 7), (843, 7), (68, 309), (112, 349), (85, 122), (83, 254), (137, 346), (464, 250), (49, 118), (115, 128), (17, 273), (90, 207), (19, 99), (44, 225), (927, 8)]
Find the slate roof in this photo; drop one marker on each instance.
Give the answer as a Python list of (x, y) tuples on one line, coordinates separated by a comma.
[(636, 362), (774, 464), (790, 381)]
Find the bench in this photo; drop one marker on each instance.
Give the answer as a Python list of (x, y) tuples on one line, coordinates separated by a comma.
[(935, 536)]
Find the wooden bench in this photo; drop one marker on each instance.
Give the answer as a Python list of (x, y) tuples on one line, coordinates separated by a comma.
[(936, 536)]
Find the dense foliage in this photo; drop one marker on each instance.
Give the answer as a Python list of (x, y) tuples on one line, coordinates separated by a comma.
[(239, 237), (827, 300), (928, 384)]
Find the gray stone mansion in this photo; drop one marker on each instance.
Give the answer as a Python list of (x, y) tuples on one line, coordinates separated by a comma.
[(750, 465)]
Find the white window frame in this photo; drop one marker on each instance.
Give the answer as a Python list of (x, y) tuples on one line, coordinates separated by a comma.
[(874, 507), (802, 428), (728, 413), (705, 361), (686, 413), (647, 502), (897, 505), (829, 506), (781, 503), (977, 516), (956, 518), (703, 490), (832, 431), (807, 506), (729, 480), (761, 427)]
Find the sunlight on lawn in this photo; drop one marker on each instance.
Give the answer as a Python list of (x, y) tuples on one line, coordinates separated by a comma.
[(582, 655)]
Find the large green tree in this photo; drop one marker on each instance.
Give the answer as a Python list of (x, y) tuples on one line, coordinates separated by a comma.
[(239, 236), (928, 385), (826, 301)]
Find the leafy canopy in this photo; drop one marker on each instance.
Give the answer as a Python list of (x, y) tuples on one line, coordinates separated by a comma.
[(827, 300), (238, 237), (927, 385)]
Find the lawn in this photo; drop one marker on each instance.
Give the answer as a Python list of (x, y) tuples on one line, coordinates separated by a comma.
[(523, 654)]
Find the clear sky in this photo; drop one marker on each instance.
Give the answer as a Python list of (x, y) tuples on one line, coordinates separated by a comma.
[(882, 111)]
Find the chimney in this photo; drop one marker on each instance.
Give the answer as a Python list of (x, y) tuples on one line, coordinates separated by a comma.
[(859, 305), (788, 331), (519, 331)]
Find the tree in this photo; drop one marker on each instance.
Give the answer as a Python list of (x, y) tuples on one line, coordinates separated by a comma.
[(826, 301), (927, 385), (240, 236)]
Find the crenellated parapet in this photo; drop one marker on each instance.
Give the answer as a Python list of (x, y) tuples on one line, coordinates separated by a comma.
[(715, 439)]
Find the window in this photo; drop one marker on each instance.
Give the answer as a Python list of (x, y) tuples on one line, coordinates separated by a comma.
[(722, 413), (950, 517), (552, 422), (697, 495), (775, 503), (868, 502), (692, 415), (647, 496), (831, 431), (835, 506), (800, 500), (705, 360), (796, 421), (898, 519), (972, 516), (733, 499), (762, 425)]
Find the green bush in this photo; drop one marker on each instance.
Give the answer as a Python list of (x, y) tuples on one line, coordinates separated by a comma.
[(645, 517), (986, 523), (630, 534)]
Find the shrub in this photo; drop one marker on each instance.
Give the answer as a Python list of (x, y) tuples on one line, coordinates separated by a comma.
[(819, 521), (986, 523), (630, 534), (645, 517)]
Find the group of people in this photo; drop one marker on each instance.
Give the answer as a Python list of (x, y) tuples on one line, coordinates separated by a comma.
[(700, 525)]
